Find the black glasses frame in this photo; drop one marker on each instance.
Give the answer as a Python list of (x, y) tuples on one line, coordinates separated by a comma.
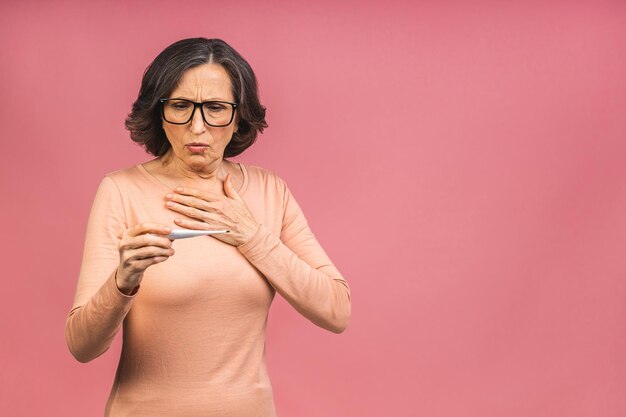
[(195, 106)]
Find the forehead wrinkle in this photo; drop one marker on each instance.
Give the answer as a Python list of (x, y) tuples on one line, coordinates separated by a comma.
[(204, 83)]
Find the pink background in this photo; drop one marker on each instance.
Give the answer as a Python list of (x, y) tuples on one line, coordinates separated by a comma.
[(463, 165)]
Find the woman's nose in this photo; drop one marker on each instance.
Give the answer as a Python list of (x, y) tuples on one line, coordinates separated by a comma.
[(197, 122)]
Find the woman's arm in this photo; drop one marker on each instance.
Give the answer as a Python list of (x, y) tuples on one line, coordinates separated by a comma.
[(103, 299), (99, 307), (294, 263), (299, 269), (91, 328), (302, 273)]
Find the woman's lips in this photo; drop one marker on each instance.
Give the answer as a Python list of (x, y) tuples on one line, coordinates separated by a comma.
[(197, 147)]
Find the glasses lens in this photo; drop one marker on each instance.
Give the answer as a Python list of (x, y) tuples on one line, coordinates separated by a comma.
[(177, 111), (217, 114)]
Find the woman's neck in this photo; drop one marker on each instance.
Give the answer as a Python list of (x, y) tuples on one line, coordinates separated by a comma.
[(206, 176)]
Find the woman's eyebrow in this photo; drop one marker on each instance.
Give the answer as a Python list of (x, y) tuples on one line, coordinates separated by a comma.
[(203, 101)]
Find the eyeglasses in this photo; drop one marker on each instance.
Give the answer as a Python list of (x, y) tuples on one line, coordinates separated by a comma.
[(179, 111)]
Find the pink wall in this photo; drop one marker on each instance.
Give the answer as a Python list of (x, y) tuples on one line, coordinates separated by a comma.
[(464, 166)]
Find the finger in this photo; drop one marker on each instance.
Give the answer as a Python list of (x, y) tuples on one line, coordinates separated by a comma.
[(144, 228), (196, 225), (148, 252), (140, 241), (229, 188), (140, 266), (141, 259), (202, 195), (189, 201), (192, 212), (159, 259)]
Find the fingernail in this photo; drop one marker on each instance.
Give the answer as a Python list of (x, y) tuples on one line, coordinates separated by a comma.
[(179, 188), (169, 195), (169, 204), (166, 229)]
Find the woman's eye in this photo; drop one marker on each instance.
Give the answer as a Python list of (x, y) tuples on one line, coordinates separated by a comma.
[(214, 107), (181, 106)]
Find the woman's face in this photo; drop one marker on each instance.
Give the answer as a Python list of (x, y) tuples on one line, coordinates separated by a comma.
[(197, 144)]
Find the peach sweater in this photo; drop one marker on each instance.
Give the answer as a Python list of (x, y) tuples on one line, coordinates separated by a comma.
[(194, 333)]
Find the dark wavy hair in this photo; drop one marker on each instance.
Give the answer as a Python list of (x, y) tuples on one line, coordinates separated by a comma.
[(162, 76)]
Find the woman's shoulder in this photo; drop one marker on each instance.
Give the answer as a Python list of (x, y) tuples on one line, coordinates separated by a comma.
[(263, 175), (135, 174), (266, 182), (124, 172)]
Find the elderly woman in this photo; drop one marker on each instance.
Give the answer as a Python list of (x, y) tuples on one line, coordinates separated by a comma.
[(194, 311)]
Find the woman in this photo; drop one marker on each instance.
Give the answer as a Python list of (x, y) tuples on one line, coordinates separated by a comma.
[(194, 311)]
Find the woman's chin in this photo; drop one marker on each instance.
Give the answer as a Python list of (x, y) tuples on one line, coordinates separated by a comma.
[(198, 162)]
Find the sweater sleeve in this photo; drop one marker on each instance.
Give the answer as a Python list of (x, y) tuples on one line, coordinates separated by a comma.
[(99, 307), (298, 268)]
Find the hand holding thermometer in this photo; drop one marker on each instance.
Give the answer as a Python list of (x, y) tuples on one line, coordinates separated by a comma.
[(185, 233)]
